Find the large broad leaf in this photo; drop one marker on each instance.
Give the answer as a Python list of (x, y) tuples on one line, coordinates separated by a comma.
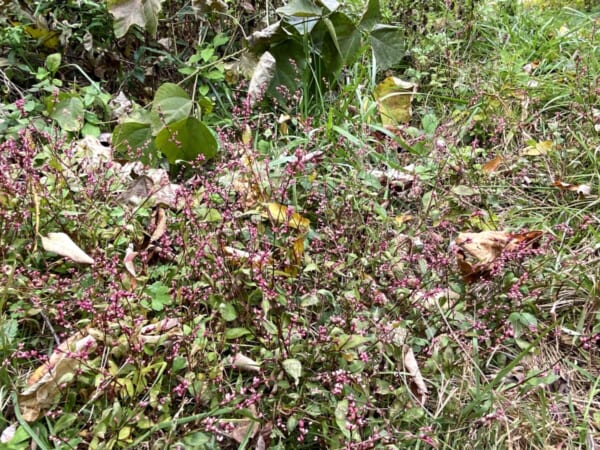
[(290, 65), (388, 47), (143, 13), (186, 140), (130, 137), (337, 41), (300, 8), (371, 15), (68, 112), (172, 103)]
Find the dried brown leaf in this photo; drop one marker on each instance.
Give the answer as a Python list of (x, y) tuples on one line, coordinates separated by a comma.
[(61, 244), (417, 383)]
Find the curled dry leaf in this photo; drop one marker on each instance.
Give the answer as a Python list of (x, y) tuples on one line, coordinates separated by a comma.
[(261, 78), (160, 224), (477, 251), (242, 362), (401, 178), (8, 433), (417, 383), (128, 260), (61, 244), (584, 190)]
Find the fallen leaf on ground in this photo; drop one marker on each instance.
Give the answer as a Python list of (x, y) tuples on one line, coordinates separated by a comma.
[(62, 245), (417, 383), (584, 190), (477, 251), (46, 381), (492, 166), (394, 177)]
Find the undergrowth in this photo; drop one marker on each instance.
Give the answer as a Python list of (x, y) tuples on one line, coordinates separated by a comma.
[(304, 289)]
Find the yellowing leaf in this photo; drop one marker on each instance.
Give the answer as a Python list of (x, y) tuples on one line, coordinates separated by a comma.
[(403, 218), (279, 213), (62, 245), (247, 135), (538, 148), (394, 97)]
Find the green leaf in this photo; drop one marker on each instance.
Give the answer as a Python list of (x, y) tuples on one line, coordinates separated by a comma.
[(159, 293), (234, 333), (341, 414), (64, 422), (429, 122), (371, 15), (331, 5), (172, 103), (293, 368), (53, 62), (185, 140), (388, 47), (196, 439), (463, 191), (68, 112), (131, 136), (228, 312), (126, 13), (347, 342), (300, 8)]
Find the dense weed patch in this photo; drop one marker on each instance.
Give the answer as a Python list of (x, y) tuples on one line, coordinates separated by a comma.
[(315, 284)]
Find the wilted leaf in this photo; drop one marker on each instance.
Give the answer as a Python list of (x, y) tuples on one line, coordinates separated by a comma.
[(485, 247), (584, 190), (61, 244), (128, 260), (398, 178), (261, 78), (63, 364), (242, 362), (394, 98), (538, 148), (126, 13), (417, 383), (293, 368), (160, 224), (279, 213), (493, 164)]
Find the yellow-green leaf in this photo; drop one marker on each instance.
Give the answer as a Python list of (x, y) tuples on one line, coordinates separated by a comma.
[(394, 97), (279, 213)]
